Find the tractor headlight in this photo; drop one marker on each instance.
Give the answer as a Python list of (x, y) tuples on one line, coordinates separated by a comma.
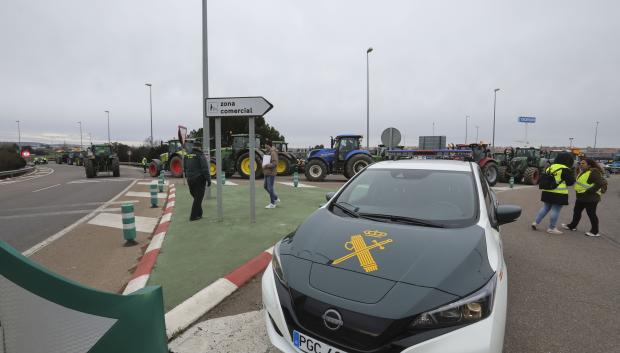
[(468, 310), (276, 264)]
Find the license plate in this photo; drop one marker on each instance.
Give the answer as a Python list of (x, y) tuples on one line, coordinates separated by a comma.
[(311, 345)]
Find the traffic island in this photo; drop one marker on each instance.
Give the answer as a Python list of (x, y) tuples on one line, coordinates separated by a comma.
[(198, 253)]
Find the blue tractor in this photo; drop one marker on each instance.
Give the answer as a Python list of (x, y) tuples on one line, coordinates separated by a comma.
[(344, 157)]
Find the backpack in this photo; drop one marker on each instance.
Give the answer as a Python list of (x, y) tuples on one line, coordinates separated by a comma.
[(604, 186), (547, 180)]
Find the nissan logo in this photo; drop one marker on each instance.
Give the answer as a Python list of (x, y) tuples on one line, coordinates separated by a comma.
[(332, 319)]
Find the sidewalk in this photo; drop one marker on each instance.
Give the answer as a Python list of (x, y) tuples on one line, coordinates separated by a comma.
[(195, 254), (93, 252)]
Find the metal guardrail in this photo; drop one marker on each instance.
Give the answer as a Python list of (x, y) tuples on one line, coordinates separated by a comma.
[(10, 173)]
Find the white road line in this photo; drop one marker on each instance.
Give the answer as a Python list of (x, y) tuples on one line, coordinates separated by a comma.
[(299, 185), (112, 220), (227, 183), (69, 205), (160, 195), (44, 214), (45, 188), (34, 175), (61, 233)]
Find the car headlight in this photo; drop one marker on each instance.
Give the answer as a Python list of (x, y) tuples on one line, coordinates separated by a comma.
[(468, 310), (275, 263)]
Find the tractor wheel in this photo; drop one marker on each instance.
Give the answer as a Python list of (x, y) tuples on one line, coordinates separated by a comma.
[(243, 166), (531, 176), (176, 167), (490, 173), (212, 169), (116, 169), (355, 164), (316, 170), (284, 165), (502, 174), (89, 166), (154, 168)]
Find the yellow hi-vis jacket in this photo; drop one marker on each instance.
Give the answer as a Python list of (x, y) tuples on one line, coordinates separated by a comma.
[(581, 185), (144, 161), (556, 170)]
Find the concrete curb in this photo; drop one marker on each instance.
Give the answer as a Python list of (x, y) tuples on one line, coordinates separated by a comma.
[(185, 314), (143, 271)]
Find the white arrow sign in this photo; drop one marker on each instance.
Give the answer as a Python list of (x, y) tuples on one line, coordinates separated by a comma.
[(237, 106)]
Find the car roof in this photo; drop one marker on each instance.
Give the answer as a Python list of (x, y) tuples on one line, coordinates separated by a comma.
[(424, 164)]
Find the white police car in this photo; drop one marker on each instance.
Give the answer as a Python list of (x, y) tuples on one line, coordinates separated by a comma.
[(406, 257)]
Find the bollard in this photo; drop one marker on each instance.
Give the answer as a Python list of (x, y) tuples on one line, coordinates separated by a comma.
[(153, 195), (295, 177), (160, 183), (129, 224), (512, 182)]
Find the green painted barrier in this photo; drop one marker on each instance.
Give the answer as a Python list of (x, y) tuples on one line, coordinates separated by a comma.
[(42, 312)]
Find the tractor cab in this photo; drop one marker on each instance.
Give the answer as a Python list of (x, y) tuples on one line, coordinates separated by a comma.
[(344, 157), (344, 144), (281, 146), (242, 141)]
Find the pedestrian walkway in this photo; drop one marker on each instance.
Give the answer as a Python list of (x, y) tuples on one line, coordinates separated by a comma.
[(143, 224), (160, 195)]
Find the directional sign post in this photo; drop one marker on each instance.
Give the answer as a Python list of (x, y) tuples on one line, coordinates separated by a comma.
[(527, 120), (250, 107)]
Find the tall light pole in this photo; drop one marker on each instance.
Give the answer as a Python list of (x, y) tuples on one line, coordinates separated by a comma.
[(19, 137), (108, 113), (150, 108), (466, 118), (81, 144), (90, 137), (433, 128), (206, 127), (596, 134), (571, 141), (494, 105), (368, 99), (477, 127)]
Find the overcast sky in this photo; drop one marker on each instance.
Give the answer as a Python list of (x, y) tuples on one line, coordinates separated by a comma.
[(433, 61)]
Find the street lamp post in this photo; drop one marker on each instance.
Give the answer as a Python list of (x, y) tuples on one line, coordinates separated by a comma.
[(19, 137), (571, 141), (108, 113), (206, 127), (433, 128), (477, 127), (494, 106), (150, 108), (368, 100), (81, 143), (466, 118), (596, 134)]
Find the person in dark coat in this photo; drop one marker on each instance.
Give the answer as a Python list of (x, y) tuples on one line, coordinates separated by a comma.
[(588, 188), (196, 169), (554, 200)]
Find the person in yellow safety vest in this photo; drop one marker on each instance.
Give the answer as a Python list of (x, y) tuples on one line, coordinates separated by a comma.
[(144, 163), (554, 200), (589, 188)]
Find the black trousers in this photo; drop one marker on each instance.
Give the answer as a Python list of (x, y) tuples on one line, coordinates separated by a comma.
[(197, 186), (590, 208)]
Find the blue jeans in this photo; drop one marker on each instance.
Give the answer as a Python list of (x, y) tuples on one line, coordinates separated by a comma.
[(269, 181), (555, 214)]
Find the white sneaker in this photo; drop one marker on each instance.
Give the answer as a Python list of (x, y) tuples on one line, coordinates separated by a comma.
[(278, 201), (534, 225), (565, 226), (592, 234), (270, 206), (554, 231)]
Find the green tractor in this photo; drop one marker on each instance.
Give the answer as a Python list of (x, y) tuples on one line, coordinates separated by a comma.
[(171, 161), (99, 159), (287, 161), (524, 165), (236, 159)]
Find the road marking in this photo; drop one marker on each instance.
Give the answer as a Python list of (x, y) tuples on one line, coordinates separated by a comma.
[(110, 180), (299, 185), (61, 233), (112, 220), (45, 188), (44, 214), (227, 183), (151, 182), (40, 172), (69, 205), (160, 195)]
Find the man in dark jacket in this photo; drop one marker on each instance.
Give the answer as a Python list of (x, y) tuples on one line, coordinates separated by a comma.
[(196, 169), (554, 200)]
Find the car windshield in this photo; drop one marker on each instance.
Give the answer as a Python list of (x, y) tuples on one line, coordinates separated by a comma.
[(102, 150), (437, 197)]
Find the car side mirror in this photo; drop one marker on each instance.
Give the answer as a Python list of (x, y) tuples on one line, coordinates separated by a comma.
[(329, 196), (507, 213)]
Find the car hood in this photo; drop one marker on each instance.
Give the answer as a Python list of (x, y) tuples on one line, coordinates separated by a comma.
[(452, 260)]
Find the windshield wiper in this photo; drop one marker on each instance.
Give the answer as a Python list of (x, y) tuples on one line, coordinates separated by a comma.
[(349, 209), (401, 219)]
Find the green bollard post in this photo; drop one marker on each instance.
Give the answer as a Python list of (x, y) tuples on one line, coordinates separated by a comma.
[(223, 179), (512, 182), (153, 195), (129, 224), (160, 183), (295, 177)]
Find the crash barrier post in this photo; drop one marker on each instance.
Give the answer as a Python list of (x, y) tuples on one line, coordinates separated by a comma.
[(43, 312), (295, 177), (160, 182), (129, 224), (153, 195)]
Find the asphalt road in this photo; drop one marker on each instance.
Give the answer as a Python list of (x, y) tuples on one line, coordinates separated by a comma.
[(564, 290), (32, 209)]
